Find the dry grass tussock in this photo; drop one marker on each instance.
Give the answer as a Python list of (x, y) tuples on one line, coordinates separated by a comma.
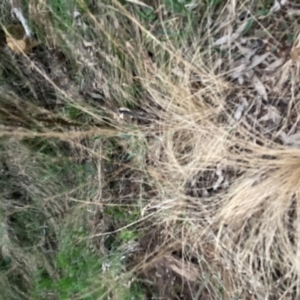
[(212, 135), (228, 177)]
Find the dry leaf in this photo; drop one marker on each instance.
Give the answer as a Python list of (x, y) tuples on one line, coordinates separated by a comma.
[(229, 38), (278, 4), (293, 140), (178, 72), (272, 114), (247, 52), (137, 2), (283, 75), (293, 12), (222, 40), (257, 60), (244, 65), (18, 46), (260, 88), (87, 44), (217, 64), (241, 80), (18, 41), (239, 111), (23, 46), (239, 70), (219, 180), (187, 270), (295, 53), (76, 14), (274, 65)]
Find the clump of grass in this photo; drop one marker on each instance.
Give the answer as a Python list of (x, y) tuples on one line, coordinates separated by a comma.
[(249, 221)]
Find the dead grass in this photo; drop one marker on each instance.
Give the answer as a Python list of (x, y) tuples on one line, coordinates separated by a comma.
[(166, 138)]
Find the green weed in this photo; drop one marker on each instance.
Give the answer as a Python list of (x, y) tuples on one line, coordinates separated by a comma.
[(62, 11), (265, 4), (72, 267), (76, 267), (82, 274)]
